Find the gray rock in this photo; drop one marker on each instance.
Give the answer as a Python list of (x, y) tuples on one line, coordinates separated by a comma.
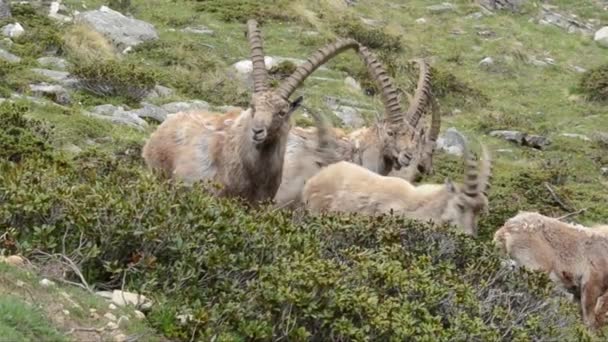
[(193, 105), (567, 22), (71, 148), (493, 5), (604, 170), (536, 141), (117, 115), (371, 22), (56, 92), (59, 12), (199, 30), (452, 142), (487, 61), (513, 136), (9, 57), (475, 16), (62, 77), (13, 30), (159, 91), (578, 69), (151, 111), (421, 21), (576, 136), (5, 9), (352, 83), (601, 37), (53, 63), (441, 8), (350, 116), (123, 31)]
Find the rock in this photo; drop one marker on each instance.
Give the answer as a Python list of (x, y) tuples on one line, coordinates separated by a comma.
[(54, 12), (110, 316), (512, 136), (604, 171), (120, 338), (493, 5), (121, 30), (601, 37), (475, 16), (576, 136), (112, 307), (536, 62), (71, 148), (123, 320), (536, 141), (578, 69), (175, 107), (183, 319), (421, 21), (371, 22), (104, 294), (13, 30), (46, 283), (567, 22), (160, 91), (5, 9), (245, 67), (441, 8), (56, 92), (451, 142), (65, 312), (14, 260), (9, 57), (352, 83), (111, 326), (350, 116), (456, 111), (53, 62), (62, 77), (199, 30), (151, 111), (487, 61), (117, 115), (486, 33), (139, 315), (123, 298)]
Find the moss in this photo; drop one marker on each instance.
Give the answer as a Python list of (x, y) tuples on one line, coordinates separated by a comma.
[(594, 83)]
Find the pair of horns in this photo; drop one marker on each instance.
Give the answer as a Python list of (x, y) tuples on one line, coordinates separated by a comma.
[(289, 85), (477, 180)]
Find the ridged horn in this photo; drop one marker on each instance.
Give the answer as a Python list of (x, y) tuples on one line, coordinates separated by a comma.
[(485, 170), (422, 96), (471, 174), (260, 74), (320, 57), (390, 97), (430, 141), (322, 129)]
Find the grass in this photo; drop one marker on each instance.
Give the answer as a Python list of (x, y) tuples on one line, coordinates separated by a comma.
[(20, 321)]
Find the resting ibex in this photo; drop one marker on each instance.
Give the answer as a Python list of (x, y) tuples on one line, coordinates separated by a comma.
[(347, 187), (391, 144), (245, 157), (573, 256)]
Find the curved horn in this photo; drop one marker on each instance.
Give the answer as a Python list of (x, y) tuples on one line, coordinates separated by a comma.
[(260, 74), (485, 171), (426, 161), (320, 57), (323, 137), (422, 96), (471, 175), (390, 98)]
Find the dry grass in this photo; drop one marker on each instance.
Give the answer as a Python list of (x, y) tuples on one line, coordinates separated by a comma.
[(85, 44)]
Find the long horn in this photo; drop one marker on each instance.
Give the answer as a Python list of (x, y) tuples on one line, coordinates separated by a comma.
[(320, 57), (260, 74), (323, 134), (485, 170), (390, 97), (426, 161), (422, 96), (471, 174)]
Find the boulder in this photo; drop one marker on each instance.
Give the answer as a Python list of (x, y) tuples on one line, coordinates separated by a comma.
[(601, 37), (123, 298), (121, 30), (452, 142), (512, 136), (441, 8), (193, 105), (55, 92), (9, 57), (159, 91), (149, 110), (536, 141), (62, 77), (13, 30), (568, 22), (5, 9), (117, 115), (53, 63)]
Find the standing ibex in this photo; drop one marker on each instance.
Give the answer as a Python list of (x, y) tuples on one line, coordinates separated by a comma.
[(245, 157), (574, 256), (391, 144), (347, 187)]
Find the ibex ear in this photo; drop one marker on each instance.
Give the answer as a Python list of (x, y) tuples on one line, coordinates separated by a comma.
[(295, 105), (450, 185)]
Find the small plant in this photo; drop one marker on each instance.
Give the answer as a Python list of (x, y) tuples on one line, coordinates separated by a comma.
[(373, 38), (42, 35), (83, 44), (21, 137), (242, 10), (594, 83), (114, 78)]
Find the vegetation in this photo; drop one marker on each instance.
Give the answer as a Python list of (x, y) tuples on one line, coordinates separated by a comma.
[(595, 83), (21, 322)]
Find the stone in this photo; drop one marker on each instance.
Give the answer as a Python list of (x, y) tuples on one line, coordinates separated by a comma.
[(159, 91), (512, 136), (350, 116), (104, 294), (121, 30), (421, 21), (579, 69), (66, 312), (352, 83), (199, 30), (5, 9), (53, 63), (567, 22), (139, 315), (604, 170), (56, 92), (441, 8), (62, 77), (110, 316), (576, 136), (536, 141), (452, 142), (371, 22), (475, 16), (112, 307), (120, 338), (9, 57), (111, 326), (117, 115), (13, 30), (151, 111), (175, 107), (123, 298), (487, 61), (183, 319), (601, 37), (46, 283), (71, 148), (493, 5)]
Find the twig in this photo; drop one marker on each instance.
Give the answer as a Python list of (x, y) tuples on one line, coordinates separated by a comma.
[(578, 212), (556, 198)]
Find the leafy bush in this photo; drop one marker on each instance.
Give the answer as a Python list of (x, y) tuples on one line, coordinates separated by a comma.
[(21, 137), (594, 83), (41, 36), (114, 78), (242, 10), (373, 38)]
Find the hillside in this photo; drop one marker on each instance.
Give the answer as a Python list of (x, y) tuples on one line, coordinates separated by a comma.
[(78, 102)]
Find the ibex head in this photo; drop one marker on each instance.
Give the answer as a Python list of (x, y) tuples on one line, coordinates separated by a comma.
[(399, 136), (467, 201), (270, 108)]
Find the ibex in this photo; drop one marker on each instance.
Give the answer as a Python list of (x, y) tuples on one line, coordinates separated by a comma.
[(347, 187), (574, 256), (244, 156), (391, 144)]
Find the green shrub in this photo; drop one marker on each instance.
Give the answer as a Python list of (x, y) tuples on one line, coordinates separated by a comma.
[(242, 10), (41, 36), (373, 38), (21, 137), (594, 83), (114, 78)]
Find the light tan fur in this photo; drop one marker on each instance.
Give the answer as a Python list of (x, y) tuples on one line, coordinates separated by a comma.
[(575, 257), (347, 187)]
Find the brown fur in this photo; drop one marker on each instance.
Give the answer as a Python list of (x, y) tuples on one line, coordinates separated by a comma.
[(575, 257)]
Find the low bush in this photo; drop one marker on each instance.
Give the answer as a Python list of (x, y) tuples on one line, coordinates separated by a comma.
[(374, 38), (42, 35), (243, 10), (594, 83), (268, 275), (114, 78)]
